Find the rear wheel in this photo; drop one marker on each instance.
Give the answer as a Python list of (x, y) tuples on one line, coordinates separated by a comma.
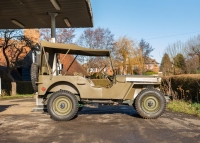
[(62, 106), (150, 103)]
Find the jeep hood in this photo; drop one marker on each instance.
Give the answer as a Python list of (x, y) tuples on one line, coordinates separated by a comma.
[(138, 78)]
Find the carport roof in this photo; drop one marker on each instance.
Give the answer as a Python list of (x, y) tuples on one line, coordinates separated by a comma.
[(34, 13)]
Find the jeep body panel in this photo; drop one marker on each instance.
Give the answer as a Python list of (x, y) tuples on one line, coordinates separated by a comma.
[(75, 84), (82, 86)]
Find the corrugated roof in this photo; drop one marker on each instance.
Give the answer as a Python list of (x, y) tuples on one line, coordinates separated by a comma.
[(34, 13)]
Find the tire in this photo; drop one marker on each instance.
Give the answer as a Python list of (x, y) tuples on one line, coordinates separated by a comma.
[(62, 106), (134, 105), (150, 103), (34, 76)]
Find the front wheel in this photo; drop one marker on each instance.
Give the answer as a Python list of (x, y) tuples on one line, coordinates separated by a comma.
[(62, 106), (150, 103)]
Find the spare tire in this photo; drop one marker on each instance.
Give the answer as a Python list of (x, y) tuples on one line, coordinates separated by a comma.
[(34, 76)]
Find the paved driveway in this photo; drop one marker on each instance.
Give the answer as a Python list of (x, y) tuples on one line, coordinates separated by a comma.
[(106, 124)]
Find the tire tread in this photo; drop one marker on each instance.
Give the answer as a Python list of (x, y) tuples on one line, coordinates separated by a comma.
[(34, 76)]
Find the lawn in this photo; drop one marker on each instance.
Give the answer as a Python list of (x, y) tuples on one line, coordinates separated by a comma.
[(184, 107), (17, 96)]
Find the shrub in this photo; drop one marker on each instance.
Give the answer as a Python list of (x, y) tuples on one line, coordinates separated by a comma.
[(3, 93), (150, 73), (184, 87)]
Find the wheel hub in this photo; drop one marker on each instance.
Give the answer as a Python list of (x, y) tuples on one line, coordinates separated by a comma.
[(150, 103), (62, 105)]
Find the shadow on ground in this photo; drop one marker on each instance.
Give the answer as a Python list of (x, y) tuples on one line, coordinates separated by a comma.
[(95, 110), (110, 110), (24, 100), (4, 107)]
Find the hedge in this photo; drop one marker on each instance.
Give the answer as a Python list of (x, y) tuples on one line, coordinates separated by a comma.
[(5, 83), (23, 87), (182, 87)]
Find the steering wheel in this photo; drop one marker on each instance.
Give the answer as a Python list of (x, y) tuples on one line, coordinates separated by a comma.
[(109, 78)]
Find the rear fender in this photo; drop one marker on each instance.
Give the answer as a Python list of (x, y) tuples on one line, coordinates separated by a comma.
[(62, 85)]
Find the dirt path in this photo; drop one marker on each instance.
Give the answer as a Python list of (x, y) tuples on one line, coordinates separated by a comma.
[(17, 106)]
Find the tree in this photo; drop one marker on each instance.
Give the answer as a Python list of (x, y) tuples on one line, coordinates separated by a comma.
[(123, 51), (137, 61), (190, 51), (193, 48), (175, 48), (15, 46), (192, 64), (166, 64), (45, 34), (99, 38), (63, 35), (146, 48), (179, 64)]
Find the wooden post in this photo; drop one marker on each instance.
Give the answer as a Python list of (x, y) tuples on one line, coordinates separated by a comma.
[(13, 89)]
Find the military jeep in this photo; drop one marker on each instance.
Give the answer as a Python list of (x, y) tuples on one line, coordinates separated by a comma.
[(65, 94)]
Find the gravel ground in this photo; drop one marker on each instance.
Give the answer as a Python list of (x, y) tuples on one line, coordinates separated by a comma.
[(94, 124)]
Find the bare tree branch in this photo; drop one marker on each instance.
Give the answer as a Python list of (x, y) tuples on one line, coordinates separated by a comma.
[(14, 46)]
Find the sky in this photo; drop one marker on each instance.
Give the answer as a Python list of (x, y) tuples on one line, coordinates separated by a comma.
[(158, 22)]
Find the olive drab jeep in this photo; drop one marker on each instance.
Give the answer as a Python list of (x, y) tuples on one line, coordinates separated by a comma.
[(65, 94)]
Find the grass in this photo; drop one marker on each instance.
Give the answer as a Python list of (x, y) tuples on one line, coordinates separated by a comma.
[(184, 107), (17, 96)]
